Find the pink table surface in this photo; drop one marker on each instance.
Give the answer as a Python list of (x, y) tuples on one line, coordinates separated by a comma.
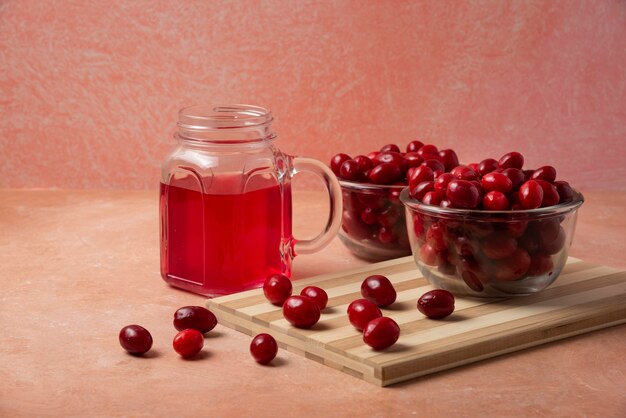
[(79, 265)]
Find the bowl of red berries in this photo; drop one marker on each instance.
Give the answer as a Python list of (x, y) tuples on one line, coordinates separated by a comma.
[(373, 221), (492, 229)]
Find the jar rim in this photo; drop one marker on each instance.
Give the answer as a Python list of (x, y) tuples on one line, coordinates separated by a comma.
[(225, 123)]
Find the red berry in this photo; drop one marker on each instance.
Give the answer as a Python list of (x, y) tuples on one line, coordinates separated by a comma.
[(337, 161), (428, 149), (436, 304), (277, 288), (555, 245), (475, 167), (487, 166), (364, 163), (350, 170), (434, 165), (263, 348), (497, 246), (566, 193), (372, 156), (550, 193), (388, 217), (319, 296), (385, 173), (463, 194), (435, 237), (495, 201), (433, 198), (188, 342), (413, 159), (414, 146), (419, 190), (511, 160), (390, 147), (428, 255), (391, 157), (301, 311), (195, 317), (386, 235), (472, 281), (441, 182), (496, 181), (419, 175), (379, 290), (369, 216), (449, 159), (516, 176), (135, 339), (463, 172), (547, 173), (530, 194), (528, 174), (361, 312), (513, 267), (381, 333), (540, 264)]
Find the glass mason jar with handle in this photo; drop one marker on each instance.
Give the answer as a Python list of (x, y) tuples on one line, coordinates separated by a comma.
[(225, 202)]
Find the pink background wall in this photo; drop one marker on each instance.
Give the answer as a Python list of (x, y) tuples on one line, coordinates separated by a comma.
[(89, 90)]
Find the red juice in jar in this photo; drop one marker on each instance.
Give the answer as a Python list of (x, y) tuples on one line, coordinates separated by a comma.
[(218, 242)]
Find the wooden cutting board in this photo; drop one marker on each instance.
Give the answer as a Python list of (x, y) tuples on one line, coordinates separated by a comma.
[(584, 298)]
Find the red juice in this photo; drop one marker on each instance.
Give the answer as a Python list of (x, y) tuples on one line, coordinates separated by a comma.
[(218, 243)]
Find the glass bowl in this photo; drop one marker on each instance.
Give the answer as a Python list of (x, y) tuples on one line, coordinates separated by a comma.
[(373, 222), (490, 253)]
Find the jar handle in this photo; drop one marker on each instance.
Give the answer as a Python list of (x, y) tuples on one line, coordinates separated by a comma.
[(308, 246)]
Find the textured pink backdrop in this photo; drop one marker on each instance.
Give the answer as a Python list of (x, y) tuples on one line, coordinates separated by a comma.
[(89, 90)]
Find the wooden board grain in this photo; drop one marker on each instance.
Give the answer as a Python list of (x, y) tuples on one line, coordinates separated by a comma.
[(584, 298)]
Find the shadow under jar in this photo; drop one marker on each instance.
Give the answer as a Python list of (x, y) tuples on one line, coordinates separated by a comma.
[(373, 222), (491, 253)]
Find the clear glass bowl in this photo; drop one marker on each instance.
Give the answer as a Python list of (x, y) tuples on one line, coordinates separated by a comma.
[(373, 222), (490, 253)]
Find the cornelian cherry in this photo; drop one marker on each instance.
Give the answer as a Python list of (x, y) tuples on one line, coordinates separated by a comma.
[(511, 160), (463, 194), (364, 163), (381, 333), (547, 173), (277, 288), (436, 304), (188, 342), (496, 181), (486, 166), (196, 317), (419, 175), (350, 170), (317, 294), (337, 161), (135, 339), (463, 172), (385, 173), (495, 200), (361, 312), (390, 147), (530, 194), (378, 289), (414, 146), (301, 311), (449, 159), (263, 348)]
